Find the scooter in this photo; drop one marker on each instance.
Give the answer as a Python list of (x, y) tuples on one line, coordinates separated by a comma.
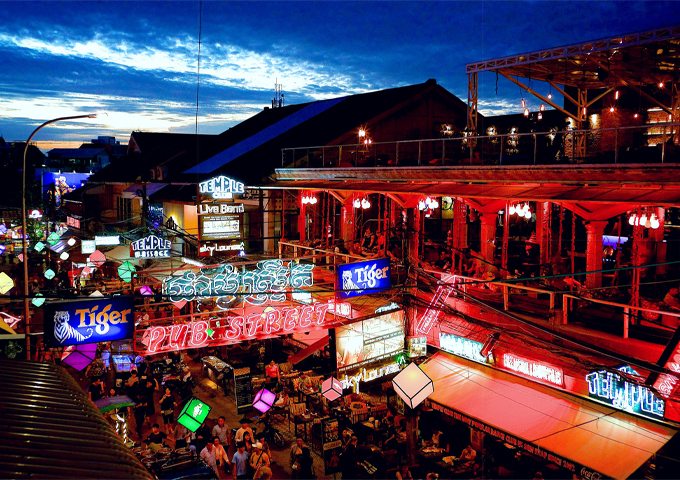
[(271, 434)]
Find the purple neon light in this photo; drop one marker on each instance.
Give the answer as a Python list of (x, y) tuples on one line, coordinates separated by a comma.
[(264, 399)]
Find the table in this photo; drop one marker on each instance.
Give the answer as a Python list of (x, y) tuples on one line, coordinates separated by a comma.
[(303, 420), (373, 431)]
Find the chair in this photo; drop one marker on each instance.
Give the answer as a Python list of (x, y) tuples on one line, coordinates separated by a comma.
[(286, 367), (295, 409)]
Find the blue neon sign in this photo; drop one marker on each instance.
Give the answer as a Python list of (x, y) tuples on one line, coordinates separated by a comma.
[(362, 278), (90, 321), (615, 390)]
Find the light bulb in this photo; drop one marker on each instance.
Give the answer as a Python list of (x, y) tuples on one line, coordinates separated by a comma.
[(512, 210), (362, 132), (540, 116), (526, 112), (635, 116), (524, 104), (313, 200), (648, 224), (631, 220), (660, 84), (542, 108), (654, 222), (584, 111), (617, 95), (357, 203), (435, 204), (643, 219), (527, 215), (365, 204), (370, 141), (550, 96), (611, 109), (365, 142), (421, 205)]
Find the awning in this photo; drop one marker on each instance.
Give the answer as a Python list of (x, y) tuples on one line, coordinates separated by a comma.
[(568, 431), (306, 352)]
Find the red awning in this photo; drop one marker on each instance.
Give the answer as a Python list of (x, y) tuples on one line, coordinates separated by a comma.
[(563, 429), (302, 354)]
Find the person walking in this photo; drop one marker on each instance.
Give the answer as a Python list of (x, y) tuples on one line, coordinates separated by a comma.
[(306, 465), (168, 405), (221, 431), (295, 454), (239, 462)]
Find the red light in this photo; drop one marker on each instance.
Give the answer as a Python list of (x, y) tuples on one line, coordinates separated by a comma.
[(611, 109)]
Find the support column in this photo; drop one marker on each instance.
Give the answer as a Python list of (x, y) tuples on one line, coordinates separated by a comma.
[(657, 235), (543, 211), (413, 235), (347, 223), (472, 103), (302, 219), (488, 236), (594, 249), (269, 221)]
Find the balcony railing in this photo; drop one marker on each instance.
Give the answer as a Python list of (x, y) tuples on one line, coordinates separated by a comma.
[(650, 143)]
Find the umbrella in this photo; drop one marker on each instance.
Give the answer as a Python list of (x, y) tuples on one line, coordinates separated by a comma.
[(111, 403), (80, 356), (125, 271)]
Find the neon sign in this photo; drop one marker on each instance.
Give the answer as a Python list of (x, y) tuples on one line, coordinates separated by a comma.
[(221, 187), (463, 347), (368, 376), (107, 240), (209, 249), (267, 283), (613, 389), (151, 247), (665, 383), (220, 331), (219, 208), (432, 314), (533, 369), (73, 222)]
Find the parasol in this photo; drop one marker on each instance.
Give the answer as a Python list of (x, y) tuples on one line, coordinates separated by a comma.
[(80, 356), (111, 403)]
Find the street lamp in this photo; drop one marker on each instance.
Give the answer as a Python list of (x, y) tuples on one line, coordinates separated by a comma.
[(23, 226)]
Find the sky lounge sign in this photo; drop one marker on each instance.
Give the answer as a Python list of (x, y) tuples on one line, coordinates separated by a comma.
[(221, 188)]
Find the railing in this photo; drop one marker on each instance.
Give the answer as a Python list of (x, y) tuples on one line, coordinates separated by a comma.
[(599, 146), (628, 310), (462, 282), (317, 252)]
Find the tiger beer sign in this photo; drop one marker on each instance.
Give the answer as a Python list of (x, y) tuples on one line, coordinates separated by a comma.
[(90, 321)]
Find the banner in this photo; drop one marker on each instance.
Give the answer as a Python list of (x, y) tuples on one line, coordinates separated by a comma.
[(89, 321), (356, 279)]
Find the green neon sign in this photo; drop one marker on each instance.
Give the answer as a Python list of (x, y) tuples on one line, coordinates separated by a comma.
[(194, 414)]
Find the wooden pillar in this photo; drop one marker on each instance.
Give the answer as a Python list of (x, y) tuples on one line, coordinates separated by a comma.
[(347, 223), (302, 219), (543, 212), (488, 236), (657, 235), (594, 253)]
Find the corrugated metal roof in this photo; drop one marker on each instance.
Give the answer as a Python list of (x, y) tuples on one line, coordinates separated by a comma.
[(50, 429)]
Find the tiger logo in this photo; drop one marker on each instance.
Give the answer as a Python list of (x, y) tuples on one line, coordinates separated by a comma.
[(348, 284), (64, 331)]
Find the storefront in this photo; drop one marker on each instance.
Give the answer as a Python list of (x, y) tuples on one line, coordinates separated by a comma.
[(576, 435)]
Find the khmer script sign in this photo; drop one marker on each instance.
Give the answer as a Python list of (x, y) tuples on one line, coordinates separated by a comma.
[(270, 281)]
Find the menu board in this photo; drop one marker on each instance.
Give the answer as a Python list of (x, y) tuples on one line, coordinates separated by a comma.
[(332, 445), (243, 390)]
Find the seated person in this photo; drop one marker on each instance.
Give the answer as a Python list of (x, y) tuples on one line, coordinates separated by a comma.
[(156, 436), (467, 457), (340, 247), (283, 400), (672, 300), (369, 240), (304, 382)]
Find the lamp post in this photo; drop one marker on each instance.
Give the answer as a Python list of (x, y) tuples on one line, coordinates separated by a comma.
[(23, 226)]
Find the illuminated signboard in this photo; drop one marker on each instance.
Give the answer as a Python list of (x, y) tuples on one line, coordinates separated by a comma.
[(533, 369), (73, 222), (87, 246), (91, 321), (151, 247), (268, 282), (614, 390), (370, 340), (368, 375), (220, 227), (666, 383), (56, 185), (209, 249), (219, 208), (272, 321), (417, 346), (463, 347), (431, 315), (362, 278), (221, 187), (107, 240)]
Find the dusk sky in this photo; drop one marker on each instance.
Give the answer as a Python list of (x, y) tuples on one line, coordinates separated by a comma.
[(137, 60)]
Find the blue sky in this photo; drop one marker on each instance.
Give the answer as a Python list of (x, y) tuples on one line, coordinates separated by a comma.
[(137, 60)]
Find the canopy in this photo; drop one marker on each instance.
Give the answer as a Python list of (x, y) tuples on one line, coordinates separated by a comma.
[(566, 427), (110, 403)]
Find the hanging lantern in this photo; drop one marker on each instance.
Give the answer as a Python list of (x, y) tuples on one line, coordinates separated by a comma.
[(49, 274), (542, 108), (524, 104), (413, 385), (264, 400), (540, 116), (6, 283), (526, 112), (331, 388), (64, 255), (71, 241)]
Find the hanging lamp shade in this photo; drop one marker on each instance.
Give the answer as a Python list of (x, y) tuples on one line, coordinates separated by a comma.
[(413, 385), (264, 400)]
